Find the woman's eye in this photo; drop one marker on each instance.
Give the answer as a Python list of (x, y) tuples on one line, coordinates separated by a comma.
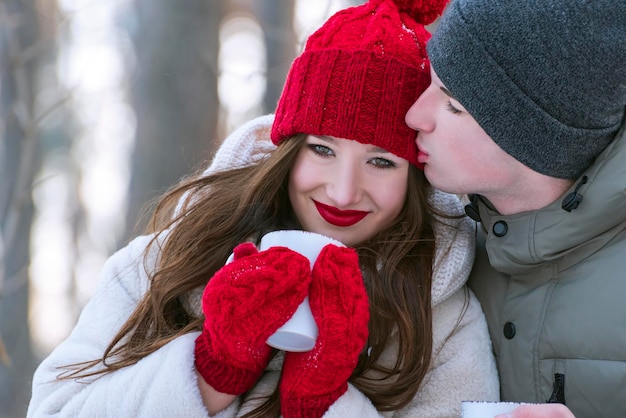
[(321, 150), (382, 163), (452, 109)]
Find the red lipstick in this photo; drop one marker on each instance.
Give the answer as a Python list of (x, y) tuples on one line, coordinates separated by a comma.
[(339, 217)]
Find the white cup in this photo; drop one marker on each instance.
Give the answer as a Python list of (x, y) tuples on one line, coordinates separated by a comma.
[(479, 409), (299, 333)]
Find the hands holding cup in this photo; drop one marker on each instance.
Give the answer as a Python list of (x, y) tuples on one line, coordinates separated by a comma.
[(319, 362), (247, 305), (243, 304)]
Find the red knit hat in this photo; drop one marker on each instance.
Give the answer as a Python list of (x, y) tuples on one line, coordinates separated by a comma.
[(359, 74)]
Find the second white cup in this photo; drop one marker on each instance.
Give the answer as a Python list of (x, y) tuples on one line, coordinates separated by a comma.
[(479, 409)]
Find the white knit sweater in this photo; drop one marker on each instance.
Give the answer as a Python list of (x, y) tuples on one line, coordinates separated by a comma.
[(163, 384)]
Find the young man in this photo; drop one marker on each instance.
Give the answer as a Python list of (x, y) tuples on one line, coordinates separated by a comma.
[(525, 113)]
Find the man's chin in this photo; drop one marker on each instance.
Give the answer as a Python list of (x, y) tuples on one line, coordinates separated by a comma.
[(440, 183)]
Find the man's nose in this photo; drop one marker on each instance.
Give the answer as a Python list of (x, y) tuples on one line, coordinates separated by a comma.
[(418, 117)]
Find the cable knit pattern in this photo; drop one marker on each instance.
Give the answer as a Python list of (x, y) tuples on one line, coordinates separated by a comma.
[(455, 250), (312, 381), (244, 303)]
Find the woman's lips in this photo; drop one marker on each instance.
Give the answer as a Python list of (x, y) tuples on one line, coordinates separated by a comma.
[(339, 217)]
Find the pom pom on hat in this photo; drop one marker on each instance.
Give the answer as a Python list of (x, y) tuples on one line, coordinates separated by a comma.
[(423, 11), (358, 76)]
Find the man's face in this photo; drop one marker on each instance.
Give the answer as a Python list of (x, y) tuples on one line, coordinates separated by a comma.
[(458, 155)]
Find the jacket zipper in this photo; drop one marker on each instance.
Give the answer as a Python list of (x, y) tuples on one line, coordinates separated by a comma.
[(558, 391)]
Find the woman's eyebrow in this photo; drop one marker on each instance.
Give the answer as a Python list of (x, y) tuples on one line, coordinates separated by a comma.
[(324, 138)]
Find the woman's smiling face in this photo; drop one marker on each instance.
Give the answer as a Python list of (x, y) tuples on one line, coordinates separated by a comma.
[(346, 190)]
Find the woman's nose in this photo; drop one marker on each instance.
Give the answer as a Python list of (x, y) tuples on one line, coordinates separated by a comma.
[(344, 186)]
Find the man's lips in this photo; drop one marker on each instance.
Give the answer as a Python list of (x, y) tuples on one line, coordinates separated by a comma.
[(339, 217), (421, 156)]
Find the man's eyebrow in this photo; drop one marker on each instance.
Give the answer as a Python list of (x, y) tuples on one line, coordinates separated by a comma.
[(447, 92)]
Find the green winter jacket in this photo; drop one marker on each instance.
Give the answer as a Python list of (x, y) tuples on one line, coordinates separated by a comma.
[(556, 306)]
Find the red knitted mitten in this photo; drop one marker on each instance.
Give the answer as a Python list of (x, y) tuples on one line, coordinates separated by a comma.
[(244, 303), (312, 381)]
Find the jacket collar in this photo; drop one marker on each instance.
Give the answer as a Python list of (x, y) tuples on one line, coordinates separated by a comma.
[(520, 243)]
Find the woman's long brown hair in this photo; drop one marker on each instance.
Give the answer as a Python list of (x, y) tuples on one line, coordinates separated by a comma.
[(230, 207)]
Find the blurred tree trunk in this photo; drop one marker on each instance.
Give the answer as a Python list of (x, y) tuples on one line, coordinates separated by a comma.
[(174, 94), (18, 155), (276, 19)]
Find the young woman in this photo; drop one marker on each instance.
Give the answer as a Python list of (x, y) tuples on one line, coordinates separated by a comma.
[(175, 331)]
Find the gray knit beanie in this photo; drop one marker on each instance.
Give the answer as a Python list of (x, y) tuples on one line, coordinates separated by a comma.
[(546, 79)]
